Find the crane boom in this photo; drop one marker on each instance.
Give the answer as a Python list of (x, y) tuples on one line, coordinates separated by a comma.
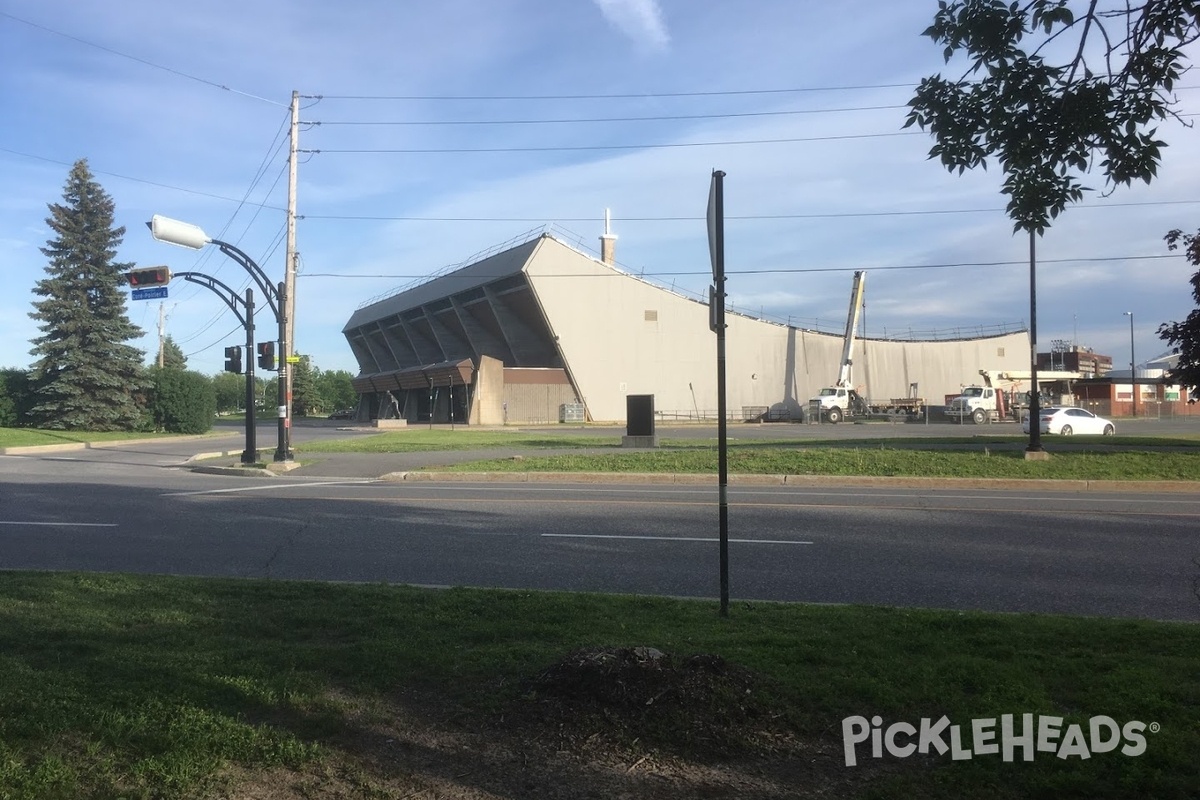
[(856, 303)]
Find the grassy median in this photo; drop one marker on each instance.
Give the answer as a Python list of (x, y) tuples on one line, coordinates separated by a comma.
[(1175, 458), (147, 687), (892, 461)]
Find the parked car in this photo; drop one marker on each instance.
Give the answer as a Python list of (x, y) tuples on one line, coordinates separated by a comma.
[(1066, 421), (342, 413)]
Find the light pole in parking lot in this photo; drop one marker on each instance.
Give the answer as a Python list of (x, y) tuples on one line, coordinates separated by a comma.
[(1132, 362)]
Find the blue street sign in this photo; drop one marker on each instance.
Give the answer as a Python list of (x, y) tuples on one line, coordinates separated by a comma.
[(157, 293)]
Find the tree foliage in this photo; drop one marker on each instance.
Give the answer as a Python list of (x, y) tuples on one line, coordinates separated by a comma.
[(182, 401), (173, 357), (85, 377), (336, 389), (1184, 337), (14, 397), (1047, 92), (304, 389), (231, 392)]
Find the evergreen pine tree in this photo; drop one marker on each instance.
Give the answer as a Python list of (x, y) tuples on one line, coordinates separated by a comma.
[(86, 376), (304, 390)]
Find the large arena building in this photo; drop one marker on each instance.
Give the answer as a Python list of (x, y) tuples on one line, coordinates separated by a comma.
[(541, 331)]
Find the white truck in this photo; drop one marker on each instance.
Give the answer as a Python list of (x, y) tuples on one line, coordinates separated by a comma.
[(836, 402), (1000, 397)]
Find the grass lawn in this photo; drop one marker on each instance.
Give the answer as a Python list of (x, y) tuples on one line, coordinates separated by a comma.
[(891, 460), (27, 437), (146, 687), (982, 456)]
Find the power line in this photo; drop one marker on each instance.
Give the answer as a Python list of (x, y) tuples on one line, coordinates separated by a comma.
[(211, 345), (623, 96), (574, 148), (615, 96), (144, 181), (140, 60), (207, 254), (594, 120), (786, 270), (744, 217), (542, 219)]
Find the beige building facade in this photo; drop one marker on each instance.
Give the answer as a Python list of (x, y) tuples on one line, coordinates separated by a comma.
[(543, 332)]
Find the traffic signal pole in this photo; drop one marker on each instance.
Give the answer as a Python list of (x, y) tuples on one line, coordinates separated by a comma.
[(279, 298), (243, 309), (250, 454)]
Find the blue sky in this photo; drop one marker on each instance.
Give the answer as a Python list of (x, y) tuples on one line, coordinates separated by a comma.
[(181, 110)]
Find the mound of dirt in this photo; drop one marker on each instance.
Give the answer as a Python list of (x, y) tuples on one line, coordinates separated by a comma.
[(640, 695)]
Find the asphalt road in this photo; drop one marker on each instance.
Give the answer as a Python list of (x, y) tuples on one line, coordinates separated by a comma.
[(129, 509)]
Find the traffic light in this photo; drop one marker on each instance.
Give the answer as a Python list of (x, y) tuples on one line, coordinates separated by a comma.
[(156, 276), (233, 359), (266, 355)]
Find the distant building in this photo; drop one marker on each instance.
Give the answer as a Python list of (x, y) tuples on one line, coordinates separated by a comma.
[(1157, 396), (1076, 359), (540, 331)]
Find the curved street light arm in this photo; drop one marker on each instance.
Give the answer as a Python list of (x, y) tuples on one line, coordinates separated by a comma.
[(220, 289), (250, 265)]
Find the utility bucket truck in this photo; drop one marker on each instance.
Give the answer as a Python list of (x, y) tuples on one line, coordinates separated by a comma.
[(839, 401), (1000, 397)]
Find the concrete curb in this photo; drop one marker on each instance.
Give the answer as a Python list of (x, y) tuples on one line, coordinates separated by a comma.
[(270, 470), (862, 481)]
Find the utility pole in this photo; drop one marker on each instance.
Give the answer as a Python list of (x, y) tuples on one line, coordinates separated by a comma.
[(288, 295), (162, 342)]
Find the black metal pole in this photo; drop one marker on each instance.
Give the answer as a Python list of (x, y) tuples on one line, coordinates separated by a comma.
[(283, 448), (1132, 366), (1035, 406), (722, 422), (250, 454)]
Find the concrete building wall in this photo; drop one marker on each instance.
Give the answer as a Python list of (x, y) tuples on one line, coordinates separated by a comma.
[(543, 305), (488, 400), (533, 395), (620, 335)]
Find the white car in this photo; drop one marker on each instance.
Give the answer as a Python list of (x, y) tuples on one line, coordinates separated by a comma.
[(1066, 421)]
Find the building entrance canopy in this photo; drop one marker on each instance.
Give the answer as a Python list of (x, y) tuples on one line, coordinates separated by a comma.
[(444, 373)]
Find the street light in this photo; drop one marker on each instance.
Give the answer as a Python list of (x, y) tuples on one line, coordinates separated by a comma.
[(1132, 362), (193, 237)]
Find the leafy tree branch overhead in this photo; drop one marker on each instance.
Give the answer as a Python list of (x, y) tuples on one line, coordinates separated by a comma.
[(1184, 337), (1052, 93)]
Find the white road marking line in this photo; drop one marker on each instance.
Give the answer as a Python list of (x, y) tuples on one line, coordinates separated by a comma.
[(664, 538), (267, 487), (62, 524)]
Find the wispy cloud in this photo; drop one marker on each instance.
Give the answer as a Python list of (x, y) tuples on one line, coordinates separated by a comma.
[(640, 20)]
